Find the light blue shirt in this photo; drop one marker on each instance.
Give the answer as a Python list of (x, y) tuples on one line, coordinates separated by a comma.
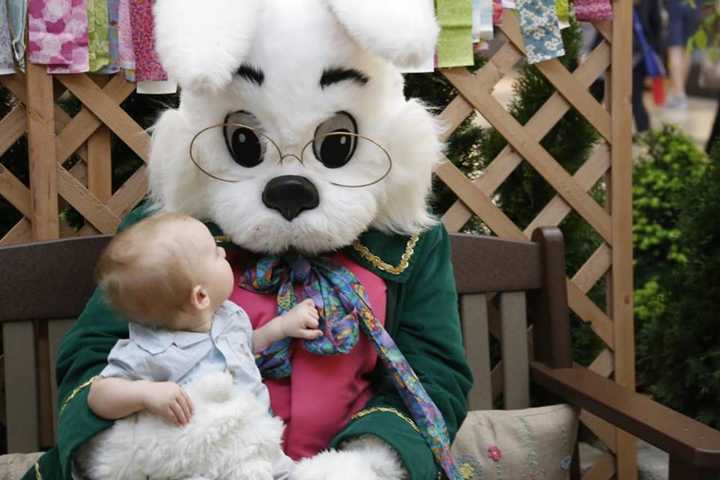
[(161, 355)]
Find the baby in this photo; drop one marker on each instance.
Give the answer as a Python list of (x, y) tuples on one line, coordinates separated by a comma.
[(188, 367)]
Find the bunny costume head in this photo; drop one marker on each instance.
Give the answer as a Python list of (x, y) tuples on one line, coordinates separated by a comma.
[(293, 130)]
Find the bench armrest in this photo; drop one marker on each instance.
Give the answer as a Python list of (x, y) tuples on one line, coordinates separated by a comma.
[(685, 439)]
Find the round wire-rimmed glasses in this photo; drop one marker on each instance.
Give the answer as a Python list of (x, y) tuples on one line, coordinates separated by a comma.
[(362, 145)]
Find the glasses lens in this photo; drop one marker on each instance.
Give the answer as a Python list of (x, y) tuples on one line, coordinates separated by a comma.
[(245, 145), (348, 160)]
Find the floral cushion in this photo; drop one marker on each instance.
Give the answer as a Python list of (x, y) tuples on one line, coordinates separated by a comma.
[(530, 444), (14, 466)]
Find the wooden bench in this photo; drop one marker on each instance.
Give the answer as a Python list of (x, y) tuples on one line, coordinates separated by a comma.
[(504, 286)]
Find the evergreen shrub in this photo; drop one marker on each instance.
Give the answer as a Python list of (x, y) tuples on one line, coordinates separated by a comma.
[(681, 341)]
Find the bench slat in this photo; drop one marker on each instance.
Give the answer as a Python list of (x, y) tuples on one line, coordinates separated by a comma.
[(473, 311), (21, 387), (515, 350)]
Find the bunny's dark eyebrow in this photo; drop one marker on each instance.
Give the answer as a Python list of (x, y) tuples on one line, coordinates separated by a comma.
[(251, 74), (332, 76)]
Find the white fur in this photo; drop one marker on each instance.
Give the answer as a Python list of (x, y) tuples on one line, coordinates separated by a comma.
[(201, 43), (231, 436), (294, 41), (368, 458), (401, 31)]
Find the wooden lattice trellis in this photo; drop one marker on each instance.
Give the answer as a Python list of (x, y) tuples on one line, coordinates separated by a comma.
[(611, 161), (53, 137)]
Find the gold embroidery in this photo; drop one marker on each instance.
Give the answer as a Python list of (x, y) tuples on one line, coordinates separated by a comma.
[(386, 267), (74, 393), (368, 411), (38, 475)]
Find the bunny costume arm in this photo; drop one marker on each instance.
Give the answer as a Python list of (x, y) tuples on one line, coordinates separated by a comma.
[(426, 327)]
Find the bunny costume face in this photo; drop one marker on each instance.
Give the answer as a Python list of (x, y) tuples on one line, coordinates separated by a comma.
[(301, 135)]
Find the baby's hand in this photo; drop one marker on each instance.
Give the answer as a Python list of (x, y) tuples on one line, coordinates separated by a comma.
[(302, 321), (168, 400)]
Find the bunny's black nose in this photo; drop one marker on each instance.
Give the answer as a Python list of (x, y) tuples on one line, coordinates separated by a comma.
[(290, 195)]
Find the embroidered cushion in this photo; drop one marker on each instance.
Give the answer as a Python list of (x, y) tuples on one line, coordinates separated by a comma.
[(517, 444), (14, 466)]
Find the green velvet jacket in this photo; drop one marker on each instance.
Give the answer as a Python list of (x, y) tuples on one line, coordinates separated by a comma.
[(422, 317)]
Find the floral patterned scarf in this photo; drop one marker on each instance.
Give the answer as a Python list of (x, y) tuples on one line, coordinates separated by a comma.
[(344, 309)]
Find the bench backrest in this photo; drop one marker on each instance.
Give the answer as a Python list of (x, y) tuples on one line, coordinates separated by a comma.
[(44, 287)]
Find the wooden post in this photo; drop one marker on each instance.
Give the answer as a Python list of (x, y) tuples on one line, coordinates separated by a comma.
[(41, 152), (45, 221), (99, 160), (621, 205)]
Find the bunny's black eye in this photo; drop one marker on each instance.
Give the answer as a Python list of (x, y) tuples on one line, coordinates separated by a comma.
[(242, 138), (335, 140)]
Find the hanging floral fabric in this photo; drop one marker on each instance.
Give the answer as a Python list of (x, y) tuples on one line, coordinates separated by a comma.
[(57, 35), (126, 54), (540, 30), (113, 7), (17, 24), (147, 65), (592, 10), (98, 34), (497, 12), (7, 63)]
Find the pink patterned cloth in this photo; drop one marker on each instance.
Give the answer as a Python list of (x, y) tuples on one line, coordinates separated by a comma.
[(592, 10), (497, 12), (313, 420), (147, 65), (126, 55), (58, 35)]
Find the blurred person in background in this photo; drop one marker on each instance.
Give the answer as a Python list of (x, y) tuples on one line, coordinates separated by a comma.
[(683, 20), (650, 19)]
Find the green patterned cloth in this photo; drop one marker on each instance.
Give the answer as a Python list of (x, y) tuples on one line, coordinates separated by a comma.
[(98, 34), (454, 47)]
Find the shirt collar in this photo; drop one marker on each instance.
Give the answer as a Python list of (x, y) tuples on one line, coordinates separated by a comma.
[(158, 340)]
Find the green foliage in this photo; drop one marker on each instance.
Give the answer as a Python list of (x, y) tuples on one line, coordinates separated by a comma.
[(681, 339), (670, 160)]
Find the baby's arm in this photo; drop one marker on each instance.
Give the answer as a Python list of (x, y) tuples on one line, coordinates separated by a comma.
[(301, 321), (113, 398)]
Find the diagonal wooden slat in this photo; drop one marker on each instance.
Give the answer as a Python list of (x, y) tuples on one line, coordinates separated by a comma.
[(533, 152), (94, 211), (85, 123), (17, 194), (587, 176), (12, 127), (477, 201), (556, 73), (590, 313), (21, 232), (593, 269), (109, 112), (537, 127)]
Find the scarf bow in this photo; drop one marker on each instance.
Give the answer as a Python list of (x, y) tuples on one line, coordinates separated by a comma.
[(344, 309)]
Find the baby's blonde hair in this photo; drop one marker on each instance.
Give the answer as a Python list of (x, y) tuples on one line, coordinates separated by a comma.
[(145, 273)]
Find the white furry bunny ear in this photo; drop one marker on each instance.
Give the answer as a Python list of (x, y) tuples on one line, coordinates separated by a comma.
[(202, 43), (401, 31)]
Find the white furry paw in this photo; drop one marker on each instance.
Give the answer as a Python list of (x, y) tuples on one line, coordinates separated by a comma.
[(368, 458)]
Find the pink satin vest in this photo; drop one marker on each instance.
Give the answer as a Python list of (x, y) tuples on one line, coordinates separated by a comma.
[(324, 392)]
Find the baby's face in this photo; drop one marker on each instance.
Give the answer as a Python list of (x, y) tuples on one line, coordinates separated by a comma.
[(212, 269)]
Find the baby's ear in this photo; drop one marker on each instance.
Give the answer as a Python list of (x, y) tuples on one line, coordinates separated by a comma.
[(403, 32), (201, 43)]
